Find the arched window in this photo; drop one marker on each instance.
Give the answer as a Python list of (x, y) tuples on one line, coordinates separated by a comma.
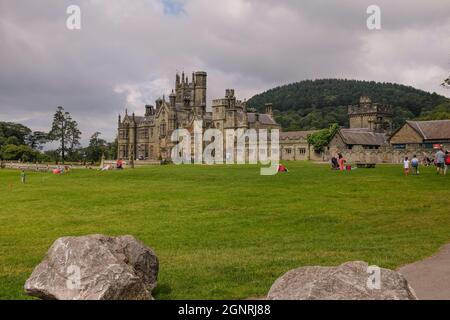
[(162, 129)]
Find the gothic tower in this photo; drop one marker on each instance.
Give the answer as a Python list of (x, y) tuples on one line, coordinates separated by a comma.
[(200, 84), (373, 116)]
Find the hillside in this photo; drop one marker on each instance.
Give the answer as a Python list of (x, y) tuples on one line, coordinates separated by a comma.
[(315, 104)]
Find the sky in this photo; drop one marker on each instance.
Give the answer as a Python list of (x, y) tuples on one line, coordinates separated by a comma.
[(127, 53)]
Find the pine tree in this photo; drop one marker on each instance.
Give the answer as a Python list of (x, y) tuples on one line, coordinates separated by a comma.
[(74, 135), (97, 147), (65, 131), (446, 83)]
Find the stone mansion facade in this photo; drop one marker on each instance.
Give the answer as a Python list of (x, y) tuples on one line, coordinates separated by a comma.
[(148, 137)]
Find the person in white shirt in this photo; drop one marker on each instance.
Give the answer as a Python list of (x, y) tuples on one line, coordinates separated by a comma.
[(406, 166), (415, 165)]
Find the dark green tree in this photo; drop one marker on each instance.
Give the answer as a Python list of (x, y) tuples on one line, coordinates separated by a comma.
[(74, 136), (65, 131), (97, 147), (111, 150), (312, 105), (37, 140), (22, 152), (319, 140), (13, 133)]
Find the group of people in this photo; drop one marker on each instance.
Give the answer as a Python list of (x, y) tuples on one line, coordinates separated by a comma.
[(338, 163), (441, 161)]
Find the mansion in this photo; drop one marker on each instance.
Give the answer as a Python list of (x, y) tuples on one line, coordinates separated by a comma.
[(370, 137), (148, 137)]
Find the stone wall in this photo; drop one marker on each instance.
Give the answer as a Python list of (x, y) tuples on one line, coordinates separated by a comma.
[(406, 133), (385, 154), (35, 167)]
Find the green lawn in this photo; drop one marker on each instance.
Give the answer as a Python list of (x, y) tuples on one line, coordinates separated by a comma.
[(227, 232)]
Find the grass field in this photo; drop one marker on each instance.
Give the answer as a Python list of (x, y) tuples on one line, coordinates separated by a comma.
[(227, 232)]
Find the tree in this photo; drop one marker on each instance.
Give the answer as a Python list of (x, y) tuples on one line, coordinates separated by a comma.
[(37, 139), (441, 112), (13, 133), (22, 152), (312, 105), (111, 150), (12, 140), (322, 138), (52, 155), (96, 148), (446, 83), (74, 135), (65, 131)]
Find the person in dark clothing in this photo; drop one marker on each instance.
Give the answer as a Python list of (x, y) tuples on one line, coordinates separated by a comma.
[(334, 163)]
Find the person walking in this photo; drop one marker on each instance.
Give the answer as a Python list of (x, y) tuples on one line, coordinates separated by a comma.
[(440, 161), (415, 165), (406, 166)]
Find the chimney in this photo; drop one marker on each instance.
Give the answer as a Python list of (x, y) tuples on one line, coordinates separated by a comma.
[(159, 103), (269, 109), (148, 110), (172, 99)]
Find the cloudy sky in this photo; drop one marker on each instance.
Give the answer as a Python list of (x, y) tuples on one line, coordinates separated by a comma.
[(127, 52)]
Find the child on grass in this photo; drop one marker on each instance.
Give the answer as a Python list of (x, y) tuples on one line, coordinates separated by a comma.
[(406, 166), (23, 177)]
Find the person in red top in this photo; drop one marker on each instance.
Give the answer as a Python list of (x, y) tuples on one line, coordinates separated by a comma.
[(119, 164), (341, 162)]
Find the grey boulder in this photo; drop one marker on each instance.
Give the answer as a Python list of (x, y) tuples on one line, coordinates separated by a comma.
[(95, 267), (349, 281)]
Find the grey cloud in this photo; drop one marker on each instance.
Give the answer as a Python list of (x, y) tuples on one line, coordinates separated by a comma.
[(128, 51)]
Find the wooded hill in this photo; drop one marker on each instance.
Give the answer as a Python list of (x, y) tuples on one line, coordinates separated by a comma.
[(316, 104)]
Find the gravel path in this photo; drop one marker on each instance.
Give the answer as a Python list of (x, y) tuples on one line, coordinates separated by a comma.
[(430, 278)]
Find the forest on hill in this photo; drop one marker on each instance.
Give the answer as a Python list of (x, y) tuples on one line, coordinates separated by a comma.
[(317, 104)]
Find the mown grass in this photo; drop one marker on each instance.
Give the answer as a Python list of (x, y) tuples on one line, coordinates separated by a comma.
[(225, 232)]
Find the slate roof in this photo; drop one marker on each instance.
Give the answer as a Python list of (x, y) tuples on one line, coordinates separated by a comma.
[(364, 137), (432, 130), (139, 119), (295, 135), (263, 118)]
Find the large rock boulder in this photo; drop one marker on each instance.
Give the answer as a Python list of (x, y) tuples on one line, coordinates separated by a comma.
[(350, 281), (95, 267)]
